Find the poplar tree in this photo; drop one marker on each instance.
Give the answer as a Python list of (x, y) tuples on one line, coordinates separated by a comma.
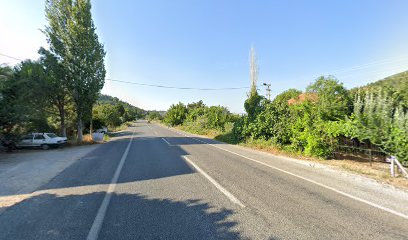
[(252, 104), (72, 36)]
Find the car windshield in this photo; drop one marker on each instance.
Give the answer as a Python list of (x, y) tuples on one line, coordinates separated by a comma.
[(51, 135)]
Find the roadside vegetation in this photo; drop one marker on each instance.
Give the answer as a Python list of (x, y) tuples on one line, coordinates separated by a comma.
[(323, 120), (154, 116)]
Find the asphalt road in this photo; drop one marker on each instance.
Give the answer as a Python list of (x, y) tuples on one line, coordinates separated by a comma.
[(155, 183)]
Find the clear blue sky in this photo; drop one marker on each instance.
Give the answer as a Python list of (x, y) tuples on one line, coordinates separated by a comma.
[(205, 44)]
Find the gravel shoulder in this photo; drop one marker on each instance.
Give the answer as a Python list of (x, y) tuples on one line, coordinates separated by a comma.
[(23, 172)]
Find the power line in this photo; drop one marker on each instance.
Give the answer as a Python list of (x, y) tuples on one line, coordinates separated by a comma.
[(154, 85), (372, 64), (180, 88), (4, 55), (369, 65)]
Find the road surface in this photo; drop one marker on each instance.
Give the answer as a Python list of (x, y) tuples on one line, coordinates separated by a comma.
[(157, 183)]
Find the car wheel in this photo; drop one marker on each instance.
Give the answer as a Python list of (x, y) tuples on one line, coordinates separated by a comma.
[(45, 147)]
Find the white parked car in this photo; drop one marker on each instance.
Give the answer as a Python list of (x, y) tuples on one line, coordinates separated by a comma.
[(43, 140)]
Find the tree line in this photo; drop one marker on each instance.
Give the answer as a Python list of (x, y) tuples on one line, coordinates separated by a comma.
[(32, 101), (62, 87)]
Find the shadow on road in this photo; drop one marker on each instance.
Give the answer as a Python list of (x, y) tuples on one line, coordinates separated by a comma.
[(131, 216), (65, 207)]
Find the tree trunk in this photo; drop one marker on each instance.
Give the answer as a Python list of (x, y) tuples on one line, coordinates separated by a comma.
[(79, 129), (91, 123), (63, 129)]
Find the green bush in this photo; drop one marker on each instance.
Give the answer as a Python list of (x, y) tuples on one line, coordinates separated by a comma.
[(154, 115), (176, 114)]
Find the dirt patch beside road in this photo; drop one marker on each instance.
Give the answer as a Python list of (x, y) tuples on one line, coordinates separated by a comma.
[(22, 172)]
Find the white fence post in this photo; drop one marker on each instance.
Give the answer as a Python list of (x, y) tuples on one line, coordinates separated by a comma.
[(394, 161), (392, 166)]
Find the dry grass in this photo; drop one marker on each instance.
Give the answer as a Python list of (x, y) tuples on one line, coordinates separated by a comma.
[(377, 170), (86, 140), (210, 133)]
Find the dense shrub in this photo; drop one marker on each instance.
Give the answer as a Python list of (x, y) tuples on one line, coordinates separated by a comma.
[(176, 114), (154, 115)]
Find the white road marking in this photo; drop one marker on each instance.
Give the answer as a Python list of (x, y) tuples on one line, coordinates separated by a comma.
[(97, 224), (166, 142), (215, 183), (154, 131), (306, 179)]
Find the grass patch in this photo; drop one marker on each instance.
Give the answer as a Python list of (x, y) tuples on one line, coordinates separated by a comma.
[(106, 138), (211, 133)]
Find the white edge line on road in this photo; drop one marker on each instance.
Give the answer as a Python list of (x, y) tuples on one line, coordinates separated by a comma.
[(166, 141), (155, 133), (97, 224), (215, 183), (306, 179)]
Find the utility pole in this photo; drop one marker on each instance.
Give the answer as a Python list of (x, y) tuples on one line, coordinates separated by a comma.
[(268, 90)]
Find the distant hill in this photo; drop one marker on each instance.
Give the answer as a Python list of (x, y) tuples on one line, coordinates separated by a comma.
[(396, 81), (106, 99), (395, 86)]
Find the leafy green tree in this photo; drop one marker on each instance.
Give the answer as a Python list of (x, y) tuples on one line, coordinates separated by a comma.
[(55, 86), (73, 40), (333, 102), (195, 105), (284, 97), (12, 108), (108, 114), (176, 114), (217, 117), (253, 105), (154, 115), (121, 109), (195, 110), (22, 105), (30, 79)]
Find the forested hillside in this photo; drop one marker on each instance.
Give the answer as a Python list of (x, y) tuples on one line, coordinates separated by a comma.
[(106, 99), (112, 112), (395, 86)]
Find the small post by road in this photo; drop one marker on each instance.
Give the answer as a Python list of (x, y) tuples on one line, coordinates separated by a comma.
[(392, 167), (396, 163)]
